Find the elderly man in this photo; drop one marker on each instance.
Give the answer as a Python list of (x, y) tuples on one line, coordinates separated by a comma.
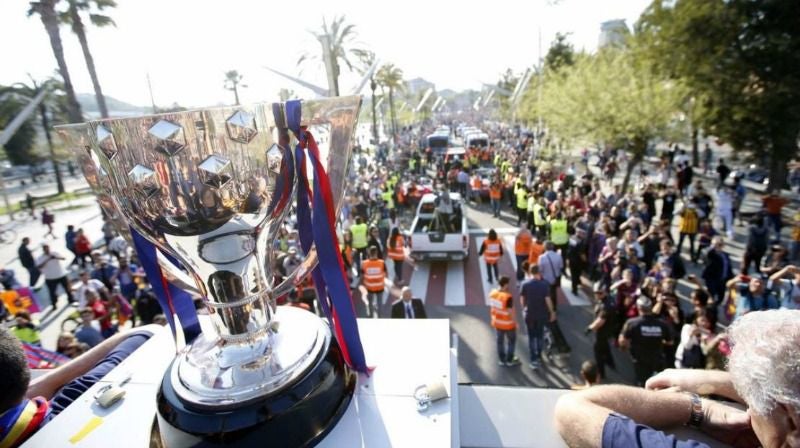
[(763, 375), (408, 307)]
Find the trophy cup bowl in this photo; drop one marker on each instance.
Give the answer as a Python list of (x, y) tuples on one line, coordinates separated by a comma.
[(211, 188), (76, 140)]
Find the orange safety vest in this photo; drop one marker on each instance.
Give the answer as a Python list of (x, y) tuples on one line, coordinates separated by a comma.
[(537, 249), (401, 197), (522, 243), (502, 316), (374, 274), (347, 253), (495, 192), (491, 251), (477, 183), (396, 254)]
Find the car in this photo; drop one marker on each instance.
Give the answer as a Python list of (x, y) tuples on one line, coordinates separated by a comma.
[(430, 238)]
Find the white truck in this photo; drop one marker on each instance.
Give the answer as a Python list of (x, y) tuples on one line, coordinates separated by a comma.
[(435, 237)]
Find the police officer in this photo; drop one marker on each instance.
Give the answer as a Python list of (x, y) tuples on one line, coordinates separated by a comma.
[(603, 328), (521, 193), (360, 238), (646, 336)]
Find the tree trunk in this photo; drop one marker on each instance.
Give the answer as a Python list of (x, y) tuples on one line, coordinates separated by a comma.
[(236, 93), (47, 13), (373, 85), (391, 110), (46, 127), (80, 31), (695, 146), (634, 161)]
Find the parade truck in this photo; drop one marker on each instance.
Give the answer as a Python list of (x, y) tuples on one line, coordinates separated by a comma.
[(436, 236)]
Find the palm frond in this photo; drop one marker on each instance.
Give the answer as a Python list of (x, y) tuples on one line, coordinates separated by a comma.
[(101, 21)]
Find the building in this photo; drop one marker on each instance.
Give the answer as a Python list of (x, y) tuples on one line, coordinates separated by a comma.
[(612, 32), (417, 85)]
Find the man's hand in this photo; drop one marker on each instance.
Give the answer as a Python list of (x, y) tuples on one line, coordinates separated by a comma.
[(701, 382), (728, 424)]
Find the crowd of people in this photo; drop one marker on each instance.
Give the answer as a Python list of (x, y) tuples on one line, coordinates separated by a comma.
[(102, 283)]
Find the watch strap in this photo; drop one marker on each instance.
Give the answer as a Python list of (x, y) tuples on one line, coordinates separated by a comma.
[(696, 416)]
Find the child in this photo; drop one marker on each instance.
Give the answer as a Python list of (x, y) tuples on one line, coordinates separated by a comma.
[(26, 330)]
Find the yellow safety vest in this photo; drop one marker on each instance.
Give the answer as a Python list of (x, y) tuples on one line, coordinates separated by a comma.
[(359, 232), (522, 198), (558, 232), (538, 220), (387, 198)]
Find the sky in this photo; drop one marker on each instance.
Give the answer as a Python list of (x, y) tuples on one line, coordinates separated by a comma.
[(186, 46)]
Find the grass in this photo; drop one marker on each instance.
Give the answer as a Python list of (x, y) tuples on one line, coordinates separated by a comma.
[(39, 201)]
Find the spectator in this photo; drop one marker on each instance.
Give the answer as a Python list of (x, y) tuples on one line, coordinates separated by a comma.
[(89, 331), (788, 288), (83, 248), (718, 269), (753, 295), (50, 264), (756, 247), (100, 310), (147, 306), (25, 329), (589, 374), (48, 219), (85, 285), (106, 273), (551, 266), (762, 375), (773, 206), (69, 241), (27, 261), (538, 310)]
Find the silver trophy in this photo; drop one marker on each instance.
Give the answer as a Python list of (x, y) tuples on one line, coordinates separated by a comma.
[(211, 188)]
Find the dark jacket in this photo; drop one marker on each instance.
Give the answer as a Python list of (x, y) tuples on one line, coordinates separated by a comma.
[(399, 312), (25, 257), (713, 272)]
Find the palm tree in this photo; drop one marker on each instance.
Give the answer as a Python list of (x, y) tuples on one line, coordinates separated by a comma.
[(336, 40), (391, 79), (46, 9), (48, 108), (367, 59), (72, 17), (232, 82)]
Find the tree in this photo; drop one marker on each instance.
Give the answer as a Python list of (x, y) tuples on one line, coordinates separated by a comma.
[(614, 98), (232, 82), (739, 60), (391, 78), (46, 10), (50, 110), (367, 59), (72, 17), (20, 148), (336, 39), (561, 53), (508, 81)]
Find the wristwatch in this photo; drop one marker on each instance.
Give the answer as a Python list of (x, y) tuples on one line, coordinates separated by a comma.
[(697, 415)]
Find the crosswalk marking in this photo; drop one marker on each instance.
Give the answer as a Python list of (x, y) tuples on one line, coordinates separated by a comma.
[(419, 280), (508, 246), (454, 284)]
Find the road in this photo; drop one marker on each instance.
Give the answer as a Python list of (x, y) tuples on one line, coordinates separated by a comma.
[(454, 291)]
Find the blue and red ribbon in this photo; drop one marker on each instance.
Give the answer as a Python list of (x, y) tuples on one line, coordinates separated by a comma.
[(174, 301), (330, 281)]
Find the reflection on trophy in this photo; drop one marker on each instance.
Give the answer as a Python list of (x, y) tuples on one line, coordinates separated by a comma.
[(211, 188)]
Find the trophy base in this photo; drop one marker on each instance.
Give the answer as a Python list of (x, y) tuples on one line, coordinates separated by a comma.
[(299, 415)]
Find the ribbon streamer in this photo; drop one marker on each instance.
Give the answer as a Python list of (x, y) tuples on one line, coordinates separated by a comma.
[(330, 281), (173, 300)]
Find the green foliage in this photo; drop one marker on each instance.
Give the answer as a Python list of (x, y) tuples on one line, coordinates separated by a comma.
[(740, 59), (560, 54), (20, 149), (338, 35), (508, 81)]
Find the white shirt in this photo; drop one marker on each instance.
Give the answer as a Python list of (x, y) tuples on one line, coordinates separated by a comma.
[(93, 284), (53, 268), (724, 201)]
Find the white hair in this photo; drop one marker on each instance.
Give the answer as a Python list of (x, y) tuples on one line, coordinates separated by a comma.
[(765, 359)]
